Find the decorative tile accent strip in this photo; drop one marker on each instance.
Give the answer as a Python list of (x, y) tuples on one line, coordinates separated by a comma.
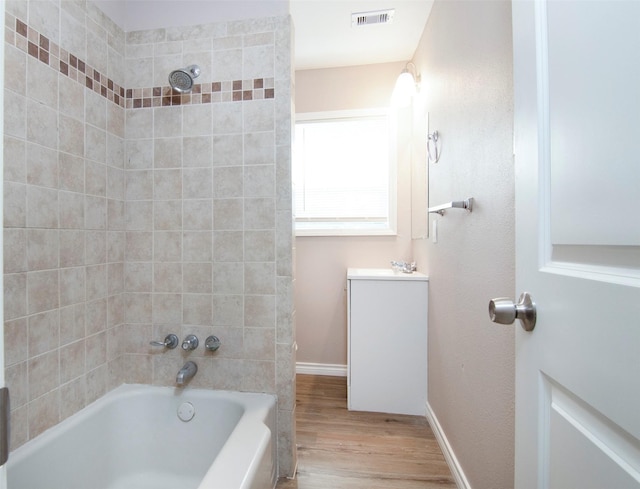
[(28, 40), (202, 93)]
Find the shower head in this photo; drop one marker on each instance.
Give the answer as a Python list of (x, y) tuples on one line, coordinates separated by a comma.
[(182, 80)]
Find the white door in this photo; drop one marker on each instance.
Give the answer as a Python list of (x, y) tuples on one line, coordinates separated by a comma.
[(577, 163)]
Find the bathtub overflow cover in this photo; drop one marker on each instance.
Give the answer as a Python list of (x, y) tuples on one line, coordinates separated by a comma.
[(186, 411)]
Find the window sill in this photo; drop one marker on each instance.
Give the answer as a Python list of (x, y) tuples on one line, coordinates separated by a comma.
[(301, 233)]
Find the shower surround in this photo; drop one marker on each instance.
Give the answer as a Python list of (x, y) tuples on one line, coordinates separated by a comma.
[(132, 212)]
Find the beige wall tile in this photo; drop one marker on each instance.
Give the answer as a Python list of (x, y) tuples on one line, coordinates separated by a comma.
[(228, 246), (116, 219), (71, 247), (71, 172), (42, 83), (197, 246), (167, 121), (139, 124), (197, 183), (15, 69), (197, 277), (72, 323), (197, 309), (42, 166), (72, 361), (227, 149), (228, 310), (228, 182), (96, 316), (73, 394), (16, 378), (139, 185), (15, 250), (167, 277), (197, 120), (259, 213), (259, 149), (43, 374), (72, 209), (167, 184), (197, 151), (95, 247), (167, 153), (16, 348), (15, 157), (228, 214), (43, 413), (42, 291), (197, 214), (139, 246), (139, 215), (95, 144), (70, 134), (167, 215), (96, 282), (70, 97), (260, 311), (15, 114)]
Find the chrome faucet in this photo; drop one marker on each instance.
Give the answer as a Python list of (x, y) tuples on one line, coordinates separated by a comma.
[(190, 343), (188, 371)]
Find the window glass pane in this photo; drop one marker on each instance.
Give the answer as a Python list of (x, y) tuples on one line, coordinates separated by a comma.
[(341, 170)]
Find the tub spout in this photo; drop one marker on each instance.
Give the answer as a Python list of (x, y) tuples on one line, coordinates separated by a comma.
[(187, 372)]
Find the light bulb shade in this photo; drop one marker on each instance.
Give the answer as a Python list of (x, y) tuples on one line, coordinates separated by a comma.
[(404, 90)]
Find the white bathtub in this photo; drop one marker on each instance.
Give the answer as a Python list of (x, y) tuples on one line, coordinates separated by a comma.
[(132, 438)]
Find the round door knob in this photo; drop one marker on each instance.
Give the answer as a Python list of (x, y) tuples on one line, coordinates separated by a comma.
[(503, 311)]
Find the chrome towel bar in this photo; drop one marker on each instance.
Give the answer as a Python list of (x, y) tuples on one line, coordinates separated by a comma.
[(456, 204)]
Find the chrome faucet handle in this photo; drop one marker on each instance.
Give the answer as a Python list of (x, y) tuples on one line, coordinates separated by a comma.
[(170, 341), (212, 343), (190, 342)]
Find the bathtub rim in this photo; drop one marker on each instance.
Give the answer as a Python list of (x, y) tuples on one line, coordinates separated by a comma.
[(259, 411)]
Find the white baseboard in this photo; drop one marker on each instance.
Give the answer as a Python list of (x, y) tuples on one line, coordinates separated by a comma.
[(334, 370), (449, 455)]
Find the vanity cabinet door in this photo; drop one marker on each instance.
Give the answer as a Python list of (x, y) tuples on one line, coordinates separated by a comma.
[(387, 346)]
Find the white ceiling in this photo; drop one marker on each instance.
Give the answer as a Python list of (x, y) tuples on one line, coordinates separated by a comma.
[(324, 37)]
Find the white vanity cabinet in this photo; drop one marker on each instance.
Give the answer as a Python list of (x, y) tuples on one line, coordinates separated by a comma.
[(387, 344)]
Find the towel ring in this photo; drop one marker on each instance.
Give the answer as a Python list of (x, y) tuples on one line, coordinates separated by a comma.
[(432, 141)]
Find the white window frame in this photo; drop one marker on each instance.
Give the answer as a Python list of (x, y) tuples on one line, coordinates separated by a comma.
[(336, 227)]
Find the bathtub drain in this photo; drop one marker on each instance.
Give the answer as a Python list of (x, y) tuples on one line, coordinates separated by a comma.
[(186, 411)]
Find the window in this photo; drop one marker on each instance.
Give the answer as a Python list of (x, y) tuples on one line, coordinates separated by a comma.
[(344, 174)]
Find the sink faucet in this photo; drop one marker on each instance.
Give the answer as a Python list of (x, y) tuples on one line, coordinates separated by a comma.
[(187, 372)]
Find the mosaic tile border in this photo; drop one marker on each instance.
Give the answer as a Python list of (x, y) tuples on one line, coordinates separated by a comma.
[(202, 93), (30, 41)]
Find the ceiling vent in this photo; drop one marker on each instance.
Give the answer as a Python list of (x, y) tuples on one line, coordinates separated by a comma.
[(373, 17)]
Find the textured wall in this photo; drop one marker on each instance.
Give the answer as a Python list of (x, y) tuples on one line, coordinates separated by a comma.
[(465, 61), (131, 212)]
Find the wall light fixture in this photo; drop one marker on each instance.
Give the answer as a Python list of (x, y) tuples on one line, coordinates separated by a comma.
[(406, 86)]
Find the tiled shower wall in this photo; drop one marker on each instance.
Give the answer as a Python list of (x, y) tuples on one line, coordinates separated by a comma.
[(64, 182), (208, 209), (131, 212)]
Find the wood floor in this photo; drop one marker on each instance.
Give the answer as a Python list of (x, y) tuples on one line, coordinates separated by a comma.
[(340, 449)]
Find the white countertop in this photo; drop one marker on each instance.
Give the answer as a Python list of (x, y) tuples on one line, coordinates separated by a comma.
[(383, 274)]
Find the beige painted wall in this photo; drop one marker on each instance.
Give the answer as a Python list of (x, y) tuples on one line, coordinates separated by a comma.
[(466, 64), (321, 263)]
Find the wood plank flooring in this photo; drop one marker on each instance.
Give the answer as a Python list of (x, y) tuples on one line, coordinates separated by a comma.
[(341, 449)]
